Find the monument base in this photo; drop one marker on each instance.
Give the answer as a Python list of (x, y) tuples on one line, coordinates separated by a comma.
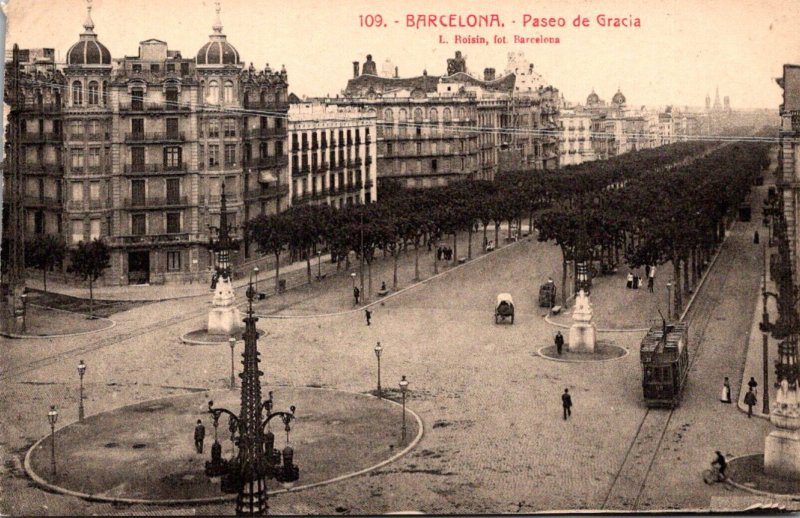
[(782, 454), (582, 338), (224, 321)]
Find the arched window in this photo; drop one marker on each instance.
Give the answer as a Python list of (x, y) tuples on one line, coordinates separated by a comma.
[(434, 115), (213, 92), (228, 91), (77, 93), (94, 93), (39, 98), (262, 150), (58, 98), (387, 115), (403, 115), (263, 97), (462, 114), (418, 115), (446, 115)]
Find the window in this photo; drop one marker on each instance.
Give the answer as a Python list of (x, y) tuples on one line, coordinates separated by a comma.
[(138, 192), (213, 155), (172, 157), (418, 115), (94, 229), (77, 93), (213, 128), (173, 222), (230, 154), (228, 91), (137, 128), (402, 117), (94, 191), (172, 128), (446, 115), (170, 67), (138, 224), (434, 115), (76, 129), (278, 148), (137, 158), (389, 149), (77, 159), (38, 222), (213, 92), (262, 150), (94, 93), (173, 261), (137, 99), (419, 148), (77, 192), (94, 157), (137, 67), (173, 190), (230, 127), (172, 97), (154, 68), (77, 231)]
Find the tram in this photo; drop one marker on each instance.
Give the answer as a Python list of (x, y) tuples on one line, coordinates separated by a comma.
[(664, 355)]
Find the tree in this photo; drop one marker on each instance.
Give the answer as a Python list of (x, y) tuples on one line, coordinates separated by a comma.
[(269, 233), (45, 252), (89, 261)]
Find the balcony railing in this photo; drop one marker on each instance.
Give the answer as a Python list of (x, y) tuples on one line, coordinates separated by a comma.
[(44, 168), (273, 105), (42, 108), (41, 201), (155, 203), (177, 136), (87, 204), (151, 239), (269, 161), (41, 137), (102, 136), (154, 107), (267, 132), (153, 168)]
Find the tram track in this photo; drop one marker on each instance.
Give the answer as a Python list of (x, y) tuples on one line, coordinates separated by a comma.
[(631, 478)]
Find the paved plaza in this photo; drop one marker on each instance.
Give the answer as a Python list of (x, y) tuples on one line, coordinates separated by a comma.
[(494, 438)]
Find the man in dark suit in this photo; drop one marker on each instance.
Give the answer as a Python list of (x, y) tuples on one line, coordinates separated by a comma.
[(566, 402), (199, 436), (559, 342)]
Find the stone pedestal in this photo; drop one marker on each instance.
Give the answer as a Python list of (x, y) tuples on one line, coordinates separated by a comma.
[(582, 338), (582, 334), (782, 454), (224, 318)]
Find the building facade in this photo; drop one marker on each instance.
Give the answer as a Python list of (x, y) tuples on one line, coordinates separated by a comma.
[(788, 171), (332, 159), (575, 138), (135, 151)]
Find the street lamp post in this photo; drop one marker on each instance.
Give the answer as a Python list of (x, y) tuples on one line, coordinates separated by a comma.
[(256, 460), (669, 300), (232, 343), (319, 265), (52, 417), (378, 351), (24, 298), (255, 271), (403, 389), (81, 372), (353, 276)]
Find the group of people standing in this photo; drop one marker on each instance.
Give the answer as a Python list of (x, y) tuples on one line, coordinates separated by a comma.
[(444, 252), (634, 281)]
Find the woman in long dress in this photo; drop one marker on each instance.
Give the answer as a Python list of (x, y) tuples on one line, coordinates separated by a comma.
[(725, 397)]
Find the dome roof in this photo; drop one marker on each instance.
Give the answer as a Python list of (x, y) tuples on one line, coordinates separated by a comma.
[(593, 98), (217, 51), (88, 51), (618, 98)]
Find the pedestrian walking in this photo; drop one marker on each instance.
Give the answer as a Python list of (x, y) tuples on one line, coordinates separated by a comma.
[(647, 270), (750, 400), (753, 384), (356, 294), (725, 397), (650, 283), (439, 252), (629, 284), (559, 342), (755, 237), (199, 436), (566, 402), (368, 314)]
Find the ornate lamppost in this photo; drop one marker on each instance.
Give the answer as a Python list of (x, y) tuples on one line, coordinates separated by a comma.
[(319, 265), (232, 343), (403, 389), (224, 244), (81, 372), (224, 317), (52, 417), (378, 351), (256, 460)]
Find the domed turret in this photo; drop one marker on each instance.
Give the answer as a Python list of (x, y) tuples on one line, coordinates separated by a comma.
[(618, 98), (592, 99), (217, 51), (88, 51)]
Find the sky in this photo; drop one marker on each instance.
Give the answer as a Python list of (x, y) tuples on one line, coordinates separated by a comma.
[(682, 51)]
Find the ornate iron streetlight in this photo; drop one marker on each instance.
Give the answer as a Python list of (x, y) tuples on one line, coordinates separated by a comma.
[(224, 244), (232, 343), (403, 389), (256, 459), (255, 271), (81, 372), (52, 417), (378, 351)]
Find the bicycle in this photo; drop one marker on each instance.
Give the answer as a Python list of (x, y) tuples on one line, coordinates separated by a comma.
[(713, 475)]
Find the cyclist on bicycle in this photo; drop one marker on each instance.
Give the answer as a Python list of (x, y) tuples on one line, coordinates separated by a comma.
[(720, 464)]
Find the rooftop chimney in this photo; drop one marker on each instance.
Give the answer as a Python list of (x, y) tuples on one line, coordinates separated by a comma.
[(355, 69), (488, 74), (396, 73)]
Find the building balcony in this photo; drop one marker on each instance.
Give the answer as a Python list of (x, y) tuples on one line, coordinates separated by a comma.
[(154, 168), (147, 239), (321, 167), (267, 192), (33, 138), (57, 169), (268, 105), (41, 108), (267, 162), (337, 166), (267, 132), (155, 203), (154, 108), (368, 185), (99, 137), (155, 137), (42, 201), (87, 205)]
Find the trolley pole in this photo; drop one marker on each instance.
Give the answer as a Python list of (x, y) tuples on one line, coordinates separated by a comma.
[(765, 335)]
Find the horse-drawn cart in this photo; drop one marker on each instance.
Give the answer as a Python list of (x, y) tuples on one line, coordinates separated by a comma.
[(504, 308)]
